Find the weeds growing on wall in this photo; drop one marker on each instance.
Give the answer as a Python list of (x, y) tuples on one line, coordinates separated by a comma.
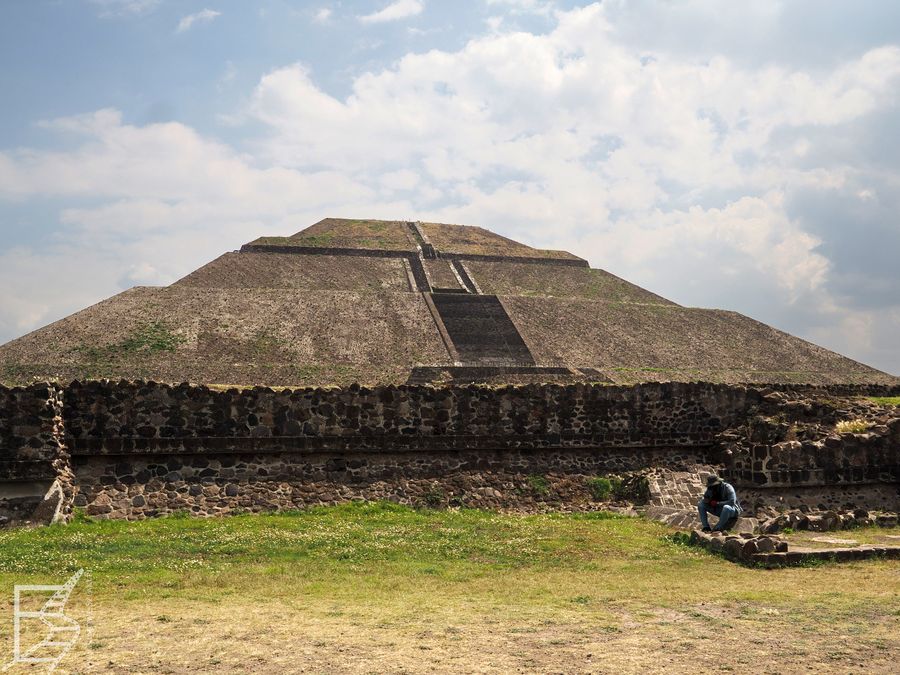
[(434, 497), (539, 485), (602, 488), (633, 488), (851, 426)]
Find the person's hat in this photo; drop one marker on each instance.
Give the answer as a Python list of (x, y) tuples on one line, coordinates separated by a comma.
[(712, 479)]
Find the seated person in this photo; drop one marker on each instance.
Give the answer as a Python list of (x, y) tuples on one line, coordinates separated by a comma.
[(721, 500)]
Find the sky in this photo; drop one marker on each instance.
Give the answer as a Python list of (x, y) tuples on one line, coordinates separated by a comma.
[(742, 156)]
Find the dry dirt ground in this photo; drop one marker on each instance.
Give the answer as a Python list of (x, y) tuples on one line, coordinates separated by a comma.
[(287, 639), (270, 635)]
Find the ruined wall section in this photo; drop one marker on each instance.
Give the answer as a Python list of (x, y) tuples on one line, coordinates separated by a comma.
[(149, 449), (839, 459), (142, 449), (795, 439), (212, 483), (105, 417), (34, 456), (30, 432)]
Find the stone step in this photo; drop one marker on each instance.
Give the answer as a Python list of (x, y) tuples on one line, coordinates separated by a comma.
[(481, 330)]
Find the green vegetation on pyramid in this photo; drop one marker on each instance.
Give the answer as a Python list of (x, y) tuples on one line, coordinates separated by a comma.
[(394, 235), (386, 302), (468, 240), (377, 235)]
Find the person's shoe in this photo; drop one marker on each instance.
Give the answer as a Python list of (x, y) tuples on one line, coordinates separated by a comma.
[(706, 529)]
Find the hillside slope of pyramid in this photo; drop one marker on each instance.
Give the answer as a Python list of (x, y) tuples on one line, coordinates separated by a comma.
[(380, 302)]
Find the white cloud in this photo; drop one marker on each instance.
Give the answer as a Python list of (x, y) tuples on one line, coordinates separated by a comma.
[(505, 100), (400, 9), (167, 199), (203, 16), (679, 173), (322, 15), (400, 180), (166, 165), (659, 168)]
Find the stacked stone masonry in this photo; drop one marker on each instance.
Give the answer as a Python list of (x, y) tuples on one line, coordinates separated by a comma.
[(30, 432), (107, 417), (791, 439), (141, 449), (772, 551)]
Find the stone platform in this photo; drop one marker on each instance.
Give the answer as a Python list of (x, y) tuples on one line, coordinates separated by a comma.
[(773, 551)]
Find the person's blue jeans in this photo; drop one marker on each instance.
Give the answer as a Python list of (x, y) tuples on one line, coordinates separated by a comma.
[(725, 512)]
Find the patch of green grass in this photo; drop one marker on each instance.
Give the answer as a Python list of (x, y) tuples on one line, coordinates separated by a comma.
[(539, 485), (365, 555), (434, 497), (153, 337), (11, 374), (602, 488), (885, 400), (634, 488), (265, 342), (167, 549)]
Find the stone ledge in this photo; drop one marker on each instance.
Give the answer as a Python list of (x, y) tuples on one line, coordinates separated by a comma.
[(532, 260), (220, 495), (831, 555), (741, 547), (301, 249), (771, 551), (828, 521), (375, 444)]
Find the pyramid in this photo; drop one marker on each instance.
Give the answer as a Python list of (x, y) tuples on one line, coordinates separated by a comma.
[(391, 302)]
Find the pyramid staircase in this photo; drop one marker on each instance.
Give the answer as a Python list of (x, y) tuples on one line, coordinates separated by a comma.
[(481, 330)]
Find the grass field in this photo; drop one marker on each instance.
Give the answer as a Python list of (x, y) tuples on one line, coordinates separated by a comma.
[(382, 588)]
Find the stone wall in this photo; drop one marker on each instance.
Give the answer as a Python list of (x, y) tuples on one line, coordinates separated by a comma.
[(105, 417), (37, 483), (883, 497), (839, 459), (141, 449), (773, 551), (140, 486), (792, 439), (30, 432)]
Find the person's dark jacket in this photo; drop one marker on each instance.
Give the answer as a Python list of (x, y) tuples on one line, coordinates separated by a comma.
[(723, 493)]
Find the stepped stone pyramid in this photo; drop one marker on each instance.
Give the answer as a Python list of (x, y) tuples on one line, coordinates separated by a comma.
[(380, 302)]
